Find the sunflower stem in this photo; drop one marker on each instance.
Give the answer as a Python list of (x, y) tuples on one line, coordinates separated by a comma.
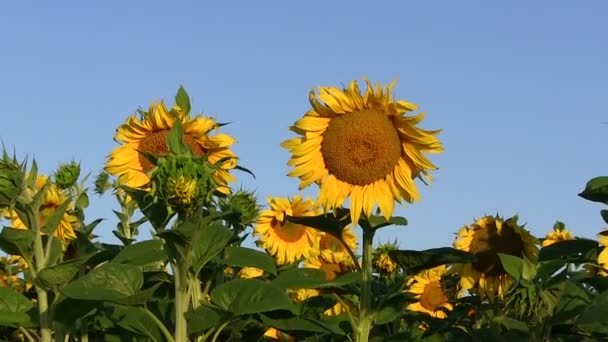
[(180, 270), (365, 311), (43, 299)]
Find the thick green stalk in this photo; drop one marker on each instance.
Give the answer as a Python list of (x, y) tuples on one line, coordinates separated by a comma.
[(43, 299), (365, 309), (180, 270)]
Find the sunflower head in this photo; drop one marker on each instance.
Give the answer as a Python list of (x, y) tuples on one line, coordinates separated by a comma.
[(147, 134), (362, 147), (382, 262), (559, 233), (67, 174), (486, 238), (429, 291), (286, 241)]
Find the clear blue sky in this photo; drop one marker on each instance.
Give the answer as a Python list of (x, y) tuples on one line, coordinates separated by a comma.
[(519, 88)]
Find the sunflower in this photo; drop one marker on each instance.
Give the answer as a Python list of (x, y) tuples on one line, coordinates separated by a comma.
[(285, 240), (360, 146), (333, 250), (486, 238), (149, 134), (559, 233), (381, 260), (428, 289), (10, 268), (52, 200), (602, 258)]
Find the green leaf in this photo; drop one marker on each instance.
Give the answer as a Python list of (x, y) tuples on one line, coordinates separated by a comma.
[(53, 222), (416, 261), (572, 300), (511, 323), (376, 222), (331, 223), (577, 250), (68, 310), (18, 242), (109, 282), (596, 190), (141, 297), (604, 214), (142, 253), (248, 296), (58, 275), (547, 269), (204, 317), (137, 320), (247, 257), (595, 317), (14, 308), (312, 278), (529, 270), (182, 99), (207, 243), (301, 324), (82, 201), (513, 265)]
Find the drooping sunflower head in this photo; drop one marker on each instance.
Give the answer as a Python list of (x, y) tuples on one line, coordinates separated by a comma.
[(559, 233), (382, 262), (52, 200), (361, 147), (429, 290), (147, 134), (286, 241), (486, 238)]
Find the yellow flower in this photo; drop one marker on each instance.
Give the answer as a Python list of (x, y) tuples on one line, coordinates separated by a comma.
[(10, 268), (331, 250), (250, 272), (485, 239), (277, 335), (51, 201), (361, 147), (429, 290), (559, 233), (285, 240), (149, 134), (602, 258), (384, 264)]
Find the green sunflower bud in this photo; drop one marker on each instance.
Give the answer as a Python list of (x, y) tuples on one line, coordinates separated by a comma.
[(243, 206), (12, 181), (67, 175), (102, 182)]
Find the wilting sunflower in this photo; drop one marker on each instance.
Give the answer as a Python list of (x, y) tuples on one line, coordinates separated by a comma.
[(149, 134), (52, 200), (360, 146), (285, 240), (430, 292), (559, 233), (485, 239)]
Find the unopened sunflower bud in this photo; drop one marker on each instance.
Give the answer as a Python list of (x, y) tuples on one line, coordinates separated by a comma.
[(243, 205), (102, 182), (67, 175), (12, 181)]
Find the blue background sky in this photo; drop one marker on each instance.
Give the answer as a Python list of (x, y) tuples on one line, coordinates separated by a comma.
[(519, 88)]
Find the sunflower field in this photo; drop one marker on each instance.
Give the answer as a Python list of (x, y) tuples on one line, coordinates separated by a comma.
[(316, 273)]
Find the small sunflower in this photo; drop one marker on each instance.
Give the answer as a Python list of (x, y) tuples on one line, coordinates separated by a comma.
[(382, 262), (362, 147), (429, 290), (285, 240), (486, 238), (559, 233), (149, 134), (52, 200)]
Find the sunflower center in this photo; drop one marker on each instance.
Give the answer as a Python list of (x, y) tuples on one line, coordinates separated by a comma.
[(156, 144), (361, 147), (433, 297), (508, 242), (289, 231)]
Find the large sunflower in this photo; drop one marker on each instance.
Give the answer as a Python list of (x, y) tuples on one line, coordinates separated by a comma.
[(52, 200), (428, 289), (149, 134), (285, 240), (486, 238), (360, 146)]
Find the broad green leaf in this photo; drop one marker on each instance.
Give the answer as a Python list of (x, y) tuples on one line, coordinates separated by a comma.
[(14, 308), (301, 324), (58, 275), (208, 242), (137, 320), (141, 297), (248, 296), (529, 270), (204, 317), (416, 261), (82, 201), (53, 222), (311, 278), (578, 250), (332, 223), (604, 214), (595, 316), (596, 190), (247, 257), (513, 265), (142, 253), (182, 99), (68, 310), (547, 269), (109, 282), (376, 222), (18, 242), (572, 299)]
